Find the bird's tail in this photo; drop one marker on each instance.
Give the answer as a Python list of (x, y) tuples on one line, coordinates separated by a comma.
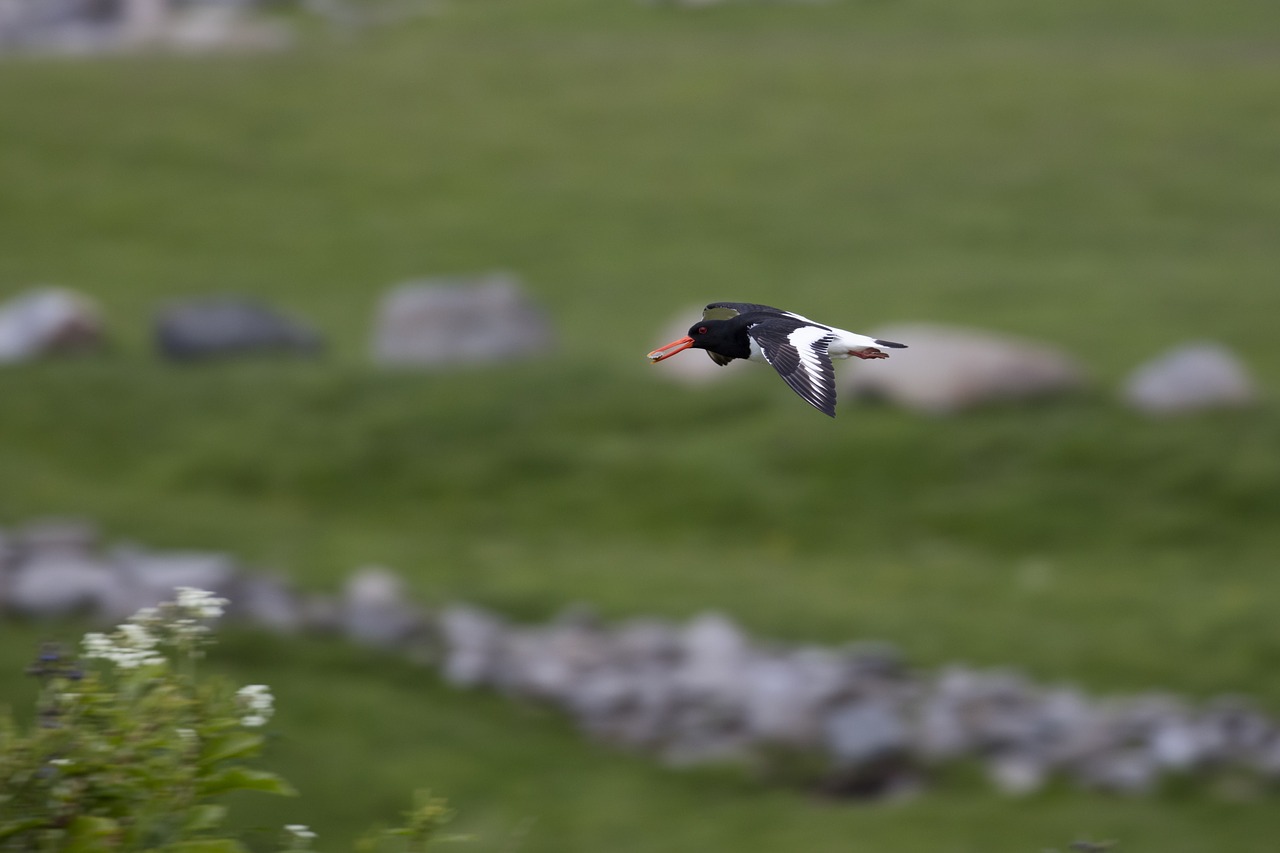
[(893, 344)]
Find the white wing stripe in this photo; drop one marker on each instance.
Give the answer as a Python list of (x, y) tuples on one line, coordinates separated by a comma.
[(810, 342)]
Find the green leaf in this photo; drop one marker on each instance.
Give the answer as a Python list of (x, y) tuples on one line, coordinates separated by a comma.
[(204, 818), (237, 744), (206, 845), (17, 826), (88, 834), (245, 779)]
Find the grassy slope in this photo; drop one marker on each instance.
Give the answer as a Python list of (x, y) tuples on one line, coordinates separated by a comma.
[(1099, 175)]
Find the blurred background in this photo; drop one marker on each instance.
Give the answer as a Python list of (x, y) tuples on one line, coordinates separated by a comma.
[(225, 227)]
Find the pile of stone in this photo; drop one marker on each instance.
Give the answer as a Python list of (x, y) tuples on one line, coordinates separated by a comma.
[(704, 691), (699, 692)]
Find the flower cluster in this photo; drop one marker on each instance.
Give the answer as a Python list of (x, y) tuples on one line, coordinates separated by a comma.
[(258, 702), (130, 647), (136, 643), (135, 750), (200, 603)]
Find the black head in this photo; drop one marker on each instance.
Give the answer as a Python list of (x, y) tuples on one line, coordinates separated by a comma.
[(725, 337), (721, 337)]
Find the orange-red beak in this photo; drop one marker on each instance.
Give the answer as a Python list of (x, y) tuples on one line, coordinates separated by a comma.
[(670, 349)]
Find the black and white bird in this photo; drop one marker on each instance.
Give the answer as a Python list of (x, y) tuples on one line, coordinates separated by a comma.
[(797, 347)]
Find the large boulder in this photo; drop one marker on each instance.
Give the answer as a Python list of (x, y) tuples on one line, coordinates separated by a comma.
[(949, 368), (49, 321), (1187, 378), (439, 322), (219, 326)]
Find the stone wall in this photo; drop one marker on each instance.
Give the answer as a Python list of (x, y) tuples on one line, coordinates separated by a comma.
[(860, 716)]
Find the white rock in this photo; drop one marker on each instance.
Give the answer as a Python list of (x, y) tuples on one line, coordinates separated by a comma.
[(48, 321), (1188, 378), (947, 369)]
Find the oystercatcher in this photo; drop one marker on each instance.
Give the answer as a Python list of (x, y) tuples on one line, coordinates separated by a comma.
[(797, 347)]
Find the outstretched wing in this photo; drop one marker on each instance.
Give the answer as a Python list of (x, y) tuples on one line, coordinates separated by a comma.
[(728, 310), (798, 351)]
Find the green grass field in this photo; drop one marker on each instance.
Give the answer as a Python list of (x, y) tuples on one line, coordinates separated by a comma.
[(1098, 175)]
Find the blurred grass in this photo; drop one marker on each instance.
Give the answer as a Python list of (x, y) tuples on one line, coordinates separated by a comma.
[(1100, 175)]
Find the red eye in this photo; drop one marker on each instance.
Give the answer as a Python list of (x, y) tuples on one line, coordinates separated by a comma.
[(702, 330)]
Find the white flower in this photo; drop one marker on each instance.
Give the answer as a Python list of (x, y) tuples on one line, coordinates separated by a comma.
[(132, 646), (97, 645), (300, 831), (146, 615), (137, 637), (60, 762), (204, 604), (259, 702)]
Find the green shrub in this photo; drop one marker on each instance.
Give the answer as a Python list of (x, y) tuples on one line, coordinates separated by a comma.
[(132, 748)]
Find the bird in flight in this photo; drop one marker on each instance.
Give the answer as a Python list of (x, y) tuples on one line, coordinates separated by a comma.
[(797, 347)]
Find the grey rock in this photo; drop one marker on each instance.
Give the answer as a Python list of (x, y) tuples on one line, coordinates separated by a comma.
[(704, 734), (642, 642), (149, 578), (268, 602), (57, 585), (439, 322), (941, 731), (376, 609), (1267, 759), (221, 326), (1177, 745), (1190, 378), (785, 694), (1231, 729), (632, 707), (1123, 771), (862, 733), (715, 658), (547, 663), (473, 640), (947, 369), (49, 321)]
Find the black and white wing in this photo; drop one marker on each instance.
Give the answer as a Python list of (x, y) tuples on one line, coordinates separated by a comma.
[(798, 351)]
